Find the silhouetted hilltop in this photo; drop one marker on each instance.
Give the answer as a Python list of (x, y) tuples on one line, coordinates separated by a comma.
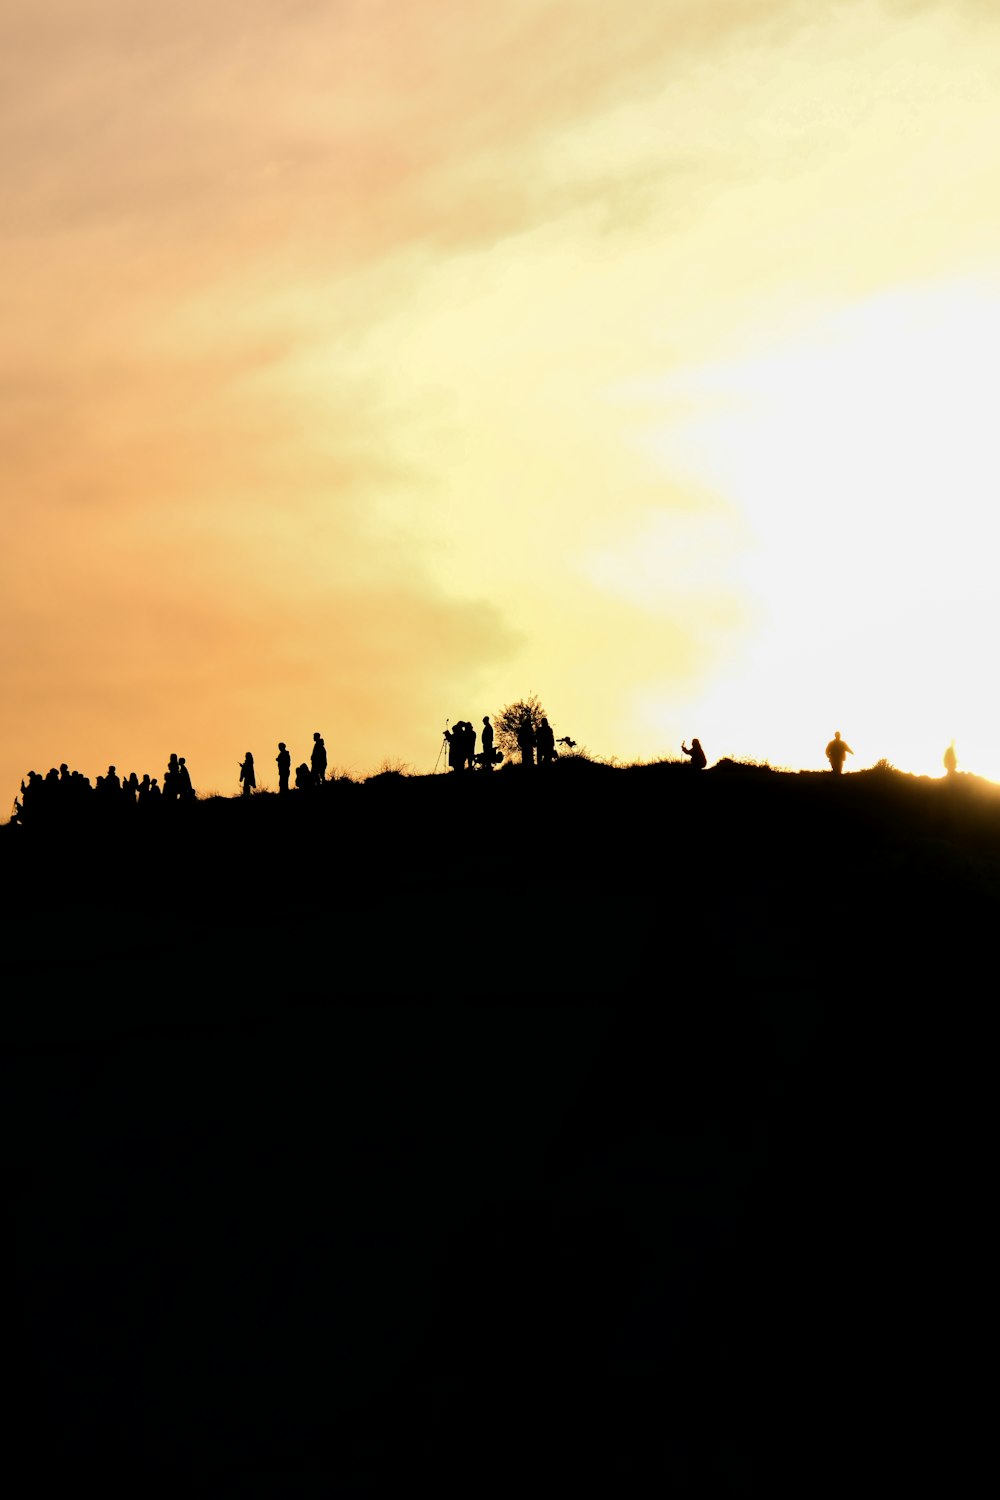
[(466, 872), (508, 1133)]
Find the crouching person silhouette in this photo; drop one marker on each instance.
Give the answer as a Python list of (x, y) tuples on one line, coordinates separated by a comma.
[(695, 754)]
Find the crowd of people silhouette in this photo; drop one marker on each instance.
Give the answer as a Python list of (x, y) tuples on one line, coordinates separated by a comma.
[(62, 792), (70, 791)]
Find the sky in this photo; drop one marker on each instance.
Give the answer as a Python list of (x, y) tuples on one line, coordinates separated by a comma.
[(369, 366)]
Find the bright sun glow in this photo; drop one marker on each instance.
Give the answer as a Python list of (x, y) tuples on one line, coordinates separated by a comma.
[(863, 456)]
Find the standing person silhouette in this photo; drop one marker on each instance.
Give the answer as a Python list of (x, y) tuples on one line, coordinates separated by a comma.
[(186, 790), (951, 759), (836, 753), (546, 742), (486, 735), (171, 780), (526, 740), (470, 746), (318, 758), (695, 754), (247, 776), (284, 759), (459, 749)]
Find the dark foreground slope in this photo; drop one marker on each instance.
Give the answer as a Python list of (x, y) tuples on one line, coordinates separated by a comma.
[(505, 1134)]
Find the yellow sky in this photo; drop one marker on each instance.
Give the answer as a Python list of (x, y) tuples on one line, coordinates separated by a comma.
[(371, 365)]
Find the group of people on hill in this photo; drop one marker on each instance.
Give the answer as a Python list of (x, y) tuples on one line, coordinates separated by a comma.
[(63, 791), (309, 773), (461, 742), (536, 744)]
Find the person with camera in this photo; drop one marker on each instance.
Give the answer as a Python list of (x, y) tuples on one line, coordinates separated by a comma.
[(458, 744)]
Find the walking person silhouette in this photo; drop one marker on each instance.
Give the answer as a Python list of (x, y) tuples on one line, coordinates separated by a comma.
[(836, 753)]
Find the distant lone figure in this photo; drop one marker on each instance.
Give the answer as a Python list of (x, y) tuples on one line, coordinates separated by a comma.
[(247, 776), (284, 766), (836, 750), (318, 758), (951, 759), (695, 754)]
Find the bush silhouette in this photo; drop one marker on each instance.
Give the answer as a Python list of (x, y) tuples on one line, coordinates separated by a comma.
[(507, 722)]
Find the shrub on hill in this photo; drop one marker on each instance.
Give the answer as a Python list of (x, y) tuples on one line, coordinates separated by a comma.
[(743, 767), (509, 720)]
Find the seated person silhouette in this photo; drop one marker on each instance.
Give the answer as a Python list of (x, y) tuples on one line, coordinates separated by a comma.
[(696, 754), (836, 752), (951, 759)]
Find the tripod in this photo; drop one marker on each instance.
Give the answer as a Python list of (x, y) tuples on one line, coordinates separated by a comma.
[(443, 750)]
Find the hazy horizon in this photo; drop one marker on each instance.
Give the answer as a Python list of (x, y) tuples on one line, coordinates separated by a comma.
[(370, 367)]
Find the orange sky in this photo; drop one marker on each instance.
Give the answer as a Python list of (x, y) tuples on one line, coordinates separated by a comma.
[(371, 365)]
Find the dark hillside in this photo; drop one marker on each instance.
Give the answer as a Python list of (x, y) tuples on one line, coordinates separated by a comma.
[(504, 1133)]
